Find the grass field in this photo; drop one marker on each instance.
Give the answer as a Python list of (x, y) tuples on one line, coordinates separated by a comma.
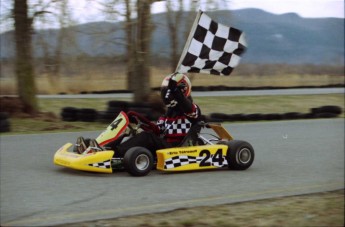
[(89, 81)]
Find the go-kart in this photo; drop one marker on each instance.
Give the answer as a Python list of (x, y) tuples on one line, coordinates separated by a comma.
[(195, 152)]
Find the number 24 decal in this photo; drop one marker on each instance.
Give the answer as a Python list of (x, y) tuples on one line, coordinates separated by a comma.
[(217, 157)]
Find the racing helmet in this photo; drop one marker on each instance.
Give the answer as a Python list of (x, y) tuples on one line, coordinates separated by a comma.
[(183, 83)]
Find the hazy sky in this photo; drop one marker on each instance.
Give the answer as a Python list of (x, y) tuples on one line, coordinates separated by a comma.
[(89, 10), (305, 8)]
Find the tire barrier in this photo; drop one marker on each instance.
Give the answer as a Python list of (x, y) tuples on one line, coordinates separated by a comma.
[(87, 115), (292, 115), (118, 104), (326, 115), (327, 109), (226, 88), (83, 114), (237, 117), (272, 116), (319, 112), (115, 107), (5, 125), (109, 115), (69, 114), (219, 116)]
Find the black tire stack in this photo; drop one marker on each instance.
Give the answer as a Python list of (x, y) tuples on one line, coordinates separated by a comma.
[(149, 111), (75, 114), (69, 114), (319, 112), (145, 110), (87, 115), (113, 109), (326, 111), (5, 125)]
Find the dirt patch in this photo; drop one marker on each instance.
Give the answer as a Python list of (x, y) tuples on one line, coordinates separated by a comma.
[(14, 107), (11, 105)]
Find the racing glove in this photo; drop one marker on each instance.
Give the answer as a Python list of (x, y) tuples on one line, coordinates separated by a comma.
[(168, 98), (184, 102)]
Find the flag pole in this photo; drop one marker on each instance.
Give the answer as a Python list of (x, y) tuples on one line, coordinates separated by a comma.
[(190, 36)]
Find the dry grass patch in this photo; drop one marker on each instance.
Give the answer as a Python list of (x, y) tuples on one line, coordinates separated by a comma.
[(116, 80), (319, 209)]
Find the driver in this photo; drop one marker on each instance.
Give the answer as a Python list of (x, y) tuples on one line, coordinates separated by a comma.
[(170, 128)]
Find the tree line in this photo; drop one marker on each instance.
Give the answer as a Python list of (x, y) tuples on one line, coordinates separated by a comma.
[(137, 58), (137, 27)]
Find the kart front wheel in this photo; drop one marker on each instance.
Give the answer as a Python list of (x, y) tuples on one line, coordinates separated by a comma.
[(240, 155), (138, 161)]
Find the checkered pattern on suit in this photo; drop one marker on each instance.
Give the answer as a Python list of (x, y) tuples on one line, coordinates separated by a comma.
[(212, 48), (182, 160), (181, 126), (103, 165)]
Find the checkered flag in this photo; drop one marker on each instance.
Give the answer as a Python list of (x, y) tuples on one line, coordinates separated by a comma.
[(211, 48)]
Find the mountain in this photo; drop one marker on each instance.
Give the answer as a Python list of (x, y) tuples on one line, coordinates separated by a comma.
[(271, 38)]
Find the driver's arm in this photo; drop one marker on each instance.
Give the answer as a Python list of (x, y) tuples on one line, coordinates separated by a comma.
[(186, 104)]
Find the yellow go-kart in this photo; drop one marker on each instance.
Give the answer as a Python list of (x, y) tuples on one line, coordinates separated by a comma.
[(196, 151)]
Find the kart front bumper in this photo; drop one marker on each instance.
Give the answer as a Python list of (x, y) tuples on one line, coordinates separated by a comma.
[(94, 162)]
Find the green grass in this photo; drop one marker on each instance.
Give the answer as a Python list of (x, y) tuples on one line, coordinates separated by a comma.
[(267, 104), (55, 105), (229, 105)]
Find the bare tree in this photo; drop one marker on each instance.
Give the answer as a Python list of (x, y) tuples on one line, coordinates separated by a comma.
[(138, 29), (23, 26), (53, 59), (129, 26), (141, 74), (174, 23), (24, 66), (178, 21)]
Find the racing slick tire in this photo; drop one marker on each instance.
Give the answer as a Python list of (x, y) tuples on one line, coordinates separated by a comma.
[(240, 155), (138, 161)]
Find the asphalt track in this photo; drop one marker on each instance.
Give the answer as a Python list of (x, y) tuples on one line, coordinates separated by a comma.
[(292, 158), (296, 91)]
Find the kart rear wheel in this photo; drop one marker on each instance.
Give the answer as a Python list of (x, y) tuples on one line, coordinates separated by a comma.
[(138, 161), (240, 155)]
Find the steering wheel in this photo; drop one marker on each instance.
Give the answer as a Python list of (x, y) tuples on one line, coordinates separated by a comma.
[(142, 121)]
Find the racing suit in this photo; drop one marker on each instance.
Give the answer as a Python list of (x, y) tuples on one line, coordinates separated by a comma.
[(171, 128)]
